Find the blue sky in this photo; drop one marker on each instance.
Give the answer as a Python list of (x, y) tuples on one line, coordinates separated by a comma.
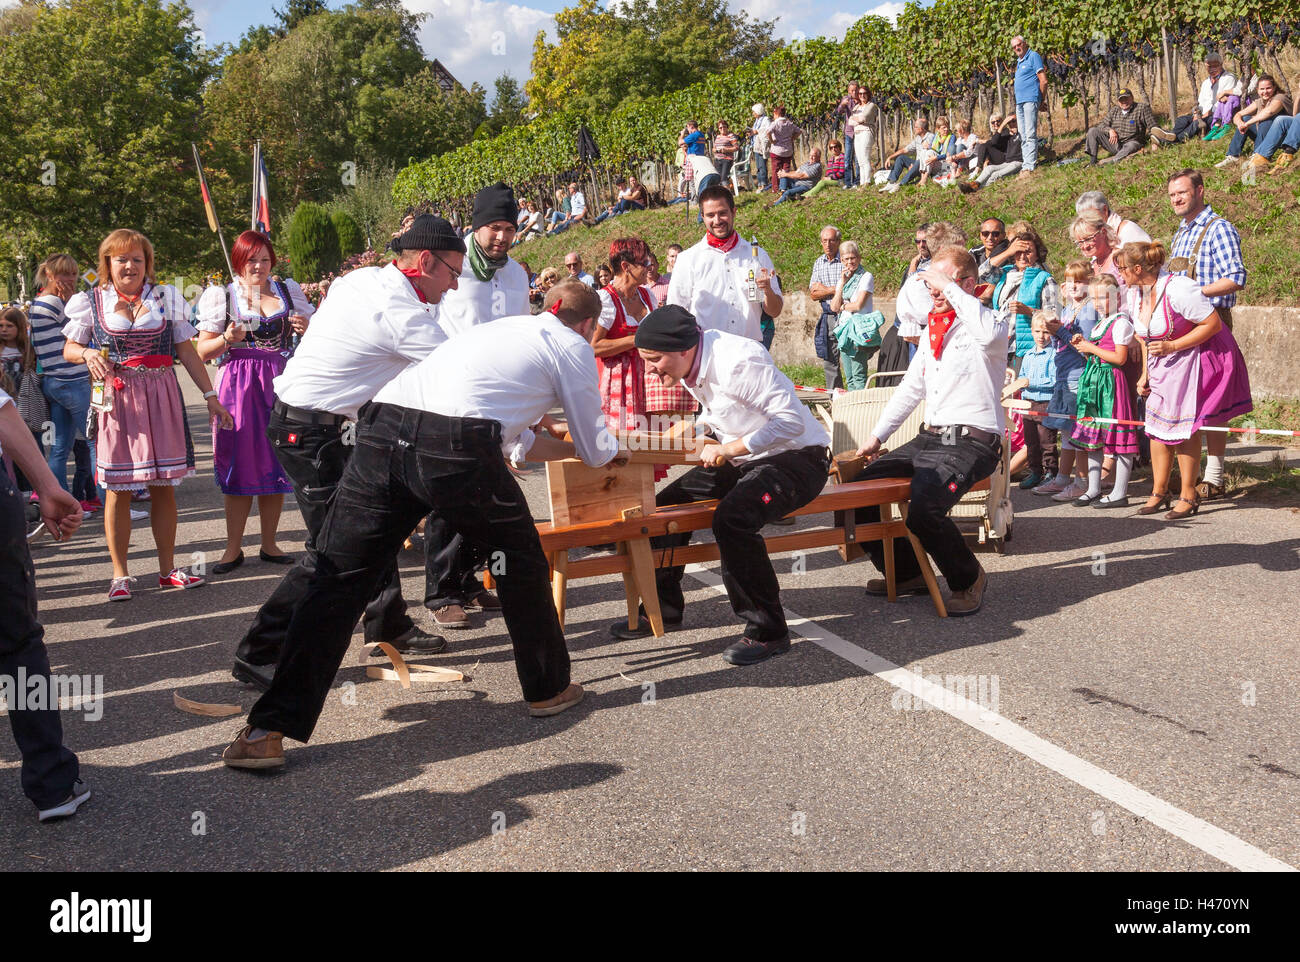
[(478, 40)]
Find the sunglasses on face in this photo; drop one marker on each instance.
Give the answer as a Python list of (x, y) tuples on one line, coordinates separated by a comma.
[(990, 233)]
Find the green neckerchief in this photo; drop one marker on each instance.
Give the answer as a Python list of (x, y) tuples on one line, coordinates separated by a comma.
[(479, 262)]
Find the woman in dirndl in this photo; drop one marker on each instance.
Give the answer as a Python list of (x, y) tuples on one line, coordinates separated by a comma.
[(624, 303), (1194, 374), (144, 439), (250, 323)]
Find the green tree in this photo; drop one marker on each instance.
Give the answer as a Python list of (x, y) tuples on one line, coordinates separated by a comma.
[(509, 107), (351, 239), (313, 243)]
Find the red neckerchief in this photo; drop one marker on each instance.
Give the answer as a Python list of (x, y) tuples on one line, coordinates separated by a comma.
[(411, 274), (726, 246), (938, 327)]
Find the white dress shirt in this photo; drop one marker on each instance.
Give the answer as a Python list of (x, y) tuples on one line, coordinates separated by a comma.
[(370, 327), (714, 287), (963, 387), (577, 205), (1211, 90), (477, 302), (512, 372), (745, 396)]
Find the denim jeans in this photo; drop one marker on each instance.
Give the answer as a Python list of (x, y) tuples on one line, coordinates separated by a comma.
[(850, 165), (941, 473), (760, 166), (48, 769), (69, 401), (752, 494), (905, 168), (1254, 132), (790, 189), (1282, 132), (314, 458), (407, 464), (1027, 119)]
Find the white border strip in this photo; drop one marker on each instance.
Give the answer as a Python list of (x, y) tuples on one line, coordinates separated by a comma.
[(1210, 839)]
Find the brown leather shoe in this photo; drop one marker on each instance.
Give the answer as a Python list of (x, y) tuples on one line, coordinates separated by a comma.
[(264, 752), (561, 702), (969, 601), (484, 601), (912, 586), (450, 616)]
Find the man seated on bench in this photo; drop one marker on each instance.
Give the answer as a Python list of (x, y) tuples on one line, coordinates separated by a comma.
[(958, 371), (767, 457)]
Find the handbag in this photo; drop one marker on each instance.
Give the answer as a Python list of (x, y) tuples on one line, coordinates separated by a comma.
[(33, 408)]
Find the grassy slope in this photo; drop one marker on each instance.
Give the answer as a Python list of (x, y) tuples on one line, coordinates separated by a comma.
[(882, 224)]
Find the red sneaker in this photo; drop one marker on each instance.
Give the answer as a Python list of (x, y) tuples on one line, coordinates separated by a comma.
[(120, 589), (180, 578), (87, 507)]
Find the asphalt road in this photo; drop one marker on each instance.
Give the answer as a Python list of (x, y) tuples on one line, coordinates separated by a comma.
[(1139, 700)]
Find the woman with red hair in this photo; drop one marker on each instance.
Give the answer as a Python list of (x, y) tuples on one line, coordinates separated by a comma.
[(138, 330), (624, 303), (250, 324)]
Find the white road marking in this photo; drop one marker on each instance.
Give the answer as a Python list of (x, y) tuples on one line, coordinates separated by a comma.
[(1208, 838)]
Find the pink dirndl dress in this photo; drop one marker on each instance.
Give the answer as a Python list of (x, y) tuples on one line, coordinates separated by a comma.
[(145, 439), (623, 376)]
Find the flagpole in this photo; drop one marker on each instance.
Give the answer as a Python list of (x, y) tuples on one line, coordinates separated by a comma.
[(211, 209), (257, 158)]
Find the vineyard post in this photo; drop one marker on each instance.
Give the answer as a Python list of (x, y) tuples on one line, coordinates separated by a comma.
[(1171, 65), (997, 79)]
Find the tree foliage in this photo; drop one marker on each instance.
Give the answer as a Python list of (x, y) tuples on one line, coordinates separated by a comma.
[(351, 239), (314, 249)]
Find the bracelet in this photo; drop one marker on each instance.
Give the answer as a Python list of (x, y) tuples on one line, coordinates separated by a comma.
[(209, 394)]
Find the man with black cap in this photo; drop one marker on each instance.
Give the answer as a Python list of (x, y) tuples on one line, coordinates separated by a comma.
[(492, 285), (1124, 131), (376, 322), (726, 284), (436, 441), (763, 455)]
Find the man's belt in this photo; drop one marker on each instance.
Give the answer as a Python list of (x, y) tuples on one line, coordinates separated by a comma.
[(303, 416), (962, 430)]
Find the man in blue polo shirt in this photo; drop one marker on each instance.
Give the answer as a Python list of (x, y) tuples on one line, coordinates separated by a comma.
[(695, 143), (1031, 84)]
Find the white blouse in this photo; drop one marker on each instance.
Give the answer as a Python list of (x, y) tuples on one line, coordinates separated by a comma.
[(215, 302), (81, 323), (608, 312), (1184, 296)]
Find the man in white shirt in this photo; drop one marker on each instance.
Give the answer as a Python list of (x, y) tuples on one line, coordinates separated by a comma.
[(577, 210), (1127, 230), (375, 322), (1219, 83), (724, 282), (492, 285), (766, 456), (958, 372), (436, 440)]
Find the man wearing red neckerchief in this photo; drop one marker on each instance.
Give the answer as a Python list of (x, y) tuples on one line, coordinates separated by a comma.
[(958, 372)]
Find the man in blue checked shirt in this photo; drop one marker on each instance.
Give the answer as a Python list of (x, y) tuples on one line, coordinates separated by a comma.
[(1207, 248)]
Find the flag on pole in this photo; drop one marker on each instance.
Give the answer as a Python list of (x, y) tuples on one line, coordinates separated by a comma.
[(209, 209), (261, 219)]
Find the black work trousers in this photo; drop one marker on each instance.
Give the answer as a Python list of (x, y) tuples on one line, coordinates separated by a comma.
[(941, 473), (48, 769), (750, 495), (450, 566), (314, 456), (409, 463)]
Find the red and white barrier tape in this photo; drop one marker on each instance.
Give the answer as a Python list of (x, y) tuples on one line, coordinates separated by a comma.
[(820, 390), (1274, 432)]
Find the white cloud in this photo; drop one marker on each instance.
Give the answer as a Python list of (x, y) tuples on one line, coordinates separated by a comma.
[(839, 23), (478, 40)]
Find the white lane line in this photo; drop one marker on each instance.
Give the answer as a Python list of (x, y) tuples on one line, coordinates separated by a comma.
[(1208, 838)]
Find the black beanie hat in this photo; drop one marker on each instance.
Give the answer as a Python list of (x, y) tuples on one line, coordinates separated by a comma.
[(494, 203), (428, 232), (668, 328)]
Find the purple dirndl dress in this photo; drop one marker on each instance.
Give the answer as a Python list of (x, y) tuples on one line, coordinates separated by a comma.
[(243, 459)]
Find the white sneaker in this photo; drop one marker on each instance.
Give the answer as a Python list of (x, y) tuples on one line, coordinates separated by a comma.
[(1075, 490), (138, 515), (80, 792), (1228, 162)]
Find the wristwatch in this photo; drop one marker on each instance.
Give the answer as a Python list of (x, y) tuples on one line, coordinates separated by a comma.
[(208, 394)]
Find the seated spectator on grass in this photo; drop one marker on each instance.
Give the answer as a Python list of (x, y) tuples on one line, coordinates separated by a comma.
[(1254, 120), (834, 170), (1216, 86), (995, 158), (530, 223), (802, 180), (577, 210), (930, 160), (1282, 139), (1124, 130), (613, 209), (906, 159), (1126, 231), (957, 160), (561, 212)]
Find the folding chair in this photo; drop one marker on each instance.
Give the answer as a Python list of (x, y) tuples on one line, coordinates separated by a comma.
[(743, 165)]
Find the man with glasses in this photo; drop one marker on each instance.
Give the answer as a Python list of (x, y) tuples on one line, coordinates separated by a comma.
[(1030, 86), (376, 322), (573, 264), (994, 251)]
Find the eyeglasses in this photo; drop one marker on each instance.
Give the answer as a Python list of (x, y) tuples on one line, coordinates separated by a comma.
[(569, 264), (990, 233), (1091, 239), (920, 240)]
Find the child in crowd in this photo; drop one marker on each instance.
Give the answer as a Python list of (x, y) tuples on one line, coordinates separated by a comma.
[(17, 361), (1039, 369), (1103, 393), (1077, 317)]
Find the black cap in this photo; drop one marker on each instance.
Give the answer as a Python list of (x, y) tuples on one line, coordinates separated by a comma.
[(668, 328), (494, 203), (428, 232)]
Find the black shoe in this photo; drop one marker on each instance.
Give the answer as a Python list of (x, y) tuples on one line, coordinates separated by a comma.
[(275, 559), (259, 676), (225, 567), (621, 631), (417, 641), (1106, 502), (750, 652)]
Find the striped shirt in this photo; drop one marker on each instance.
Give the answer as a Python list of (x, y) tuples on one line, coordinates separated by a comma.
[(1219, 256), (47, 322), (725, 146), (826, 272)]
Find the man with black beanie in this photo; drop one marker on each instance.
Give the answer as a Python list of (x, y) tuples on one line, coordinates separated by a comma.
[(763, 455), (376, 322), (492, 285)]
